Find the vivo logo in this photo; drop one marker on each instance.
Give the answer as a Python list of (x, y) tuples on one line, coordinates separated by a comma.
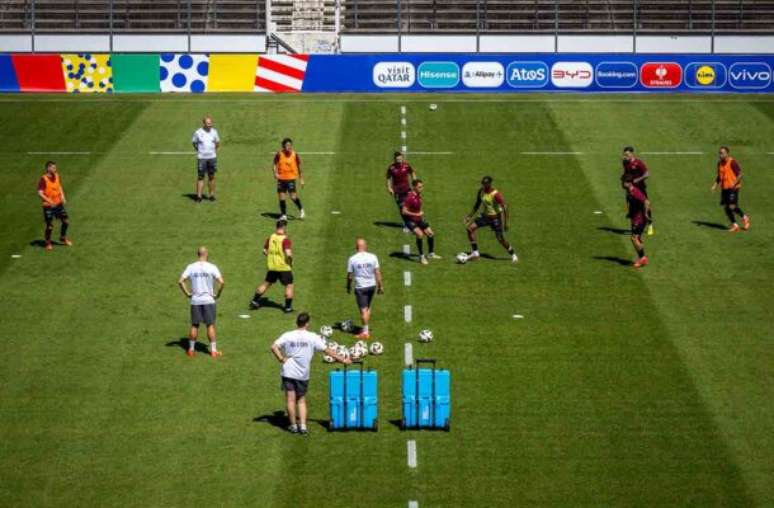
[(750, 75)]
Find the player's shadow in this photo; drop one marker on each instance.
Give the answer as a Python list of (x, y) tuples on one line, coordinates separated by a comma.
[(616, 231), (389, 224), (190, 195), (271, 215), (280, 420), (614, 259), (401, 255), (485, 255), (42, 243), (711, 225), (182, 343), (269, 304)]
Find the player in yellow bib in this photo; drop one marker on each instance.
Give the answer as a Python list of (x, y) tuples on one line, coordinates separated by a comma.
[(494, 213), (279, 263)]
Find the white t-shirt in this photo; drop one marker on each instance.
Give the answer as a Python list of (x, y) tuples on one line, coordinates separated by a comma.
[(202, 275), (363, 266), (205, 143), (299, 347)]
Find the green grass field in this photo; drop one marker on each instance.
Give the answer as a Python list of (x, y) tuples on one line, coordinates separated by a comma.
[(619, 387)]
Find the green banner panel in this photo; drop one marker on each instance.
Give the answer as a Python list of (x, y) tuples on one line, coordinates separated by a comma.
[(135, 72)]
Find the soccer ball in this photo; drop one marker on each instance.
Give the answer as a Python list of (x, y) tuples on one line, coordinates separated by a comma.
[(355, 353), (433, 107), (332, 344), (346, 326), (328, 359), (363, 349), (342, 351), (377, 348), (425, 336), (361, 344), (462, 258), (326, 331)]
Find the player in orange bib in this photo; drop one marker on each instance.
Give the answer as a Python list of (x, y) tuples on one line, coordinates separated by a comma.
[(52, 195), (729, 180), (287, 169)]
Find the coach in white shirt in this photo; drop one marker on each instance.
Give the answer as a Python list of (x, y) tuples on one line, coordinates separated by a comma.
[(295, 351), (206, 143), (203, 276), (363, 269)]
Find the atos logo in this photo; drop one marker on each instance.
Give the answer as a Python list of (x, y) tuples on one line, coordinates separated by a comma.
[(527, 74), (572, 74), (750, 75)]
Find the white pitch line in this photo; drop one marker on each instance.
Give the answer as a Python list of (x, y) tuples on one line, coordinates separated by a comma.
[(406, 249), (413, 504), (408, 354), (403, 121), (411, 452), (404, 149), (672, 153), (407, 313), (770, 153), (406, 278), (403, 110), (552, 153), (15, 256), (403, 134), (58, 153), (432, 153)]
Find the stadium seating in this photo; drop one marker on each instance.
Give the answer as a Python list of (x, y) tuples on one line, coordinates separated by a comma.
[(391, 16)]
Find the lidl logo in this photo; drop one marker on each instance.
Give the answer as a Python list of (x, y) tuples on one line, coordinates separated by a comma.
[(749, 75), (709, 75), (438, 74), (527, 74)]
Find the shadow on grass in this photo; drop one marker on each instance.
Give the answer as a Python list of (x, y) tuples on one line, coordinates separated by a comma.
[(190, 195), (182, 343), (42, 243), (389, 224), (276, 216), (401, 255), (711, 225), (614, 259), (617, 231), (269, 304), (280, 420)]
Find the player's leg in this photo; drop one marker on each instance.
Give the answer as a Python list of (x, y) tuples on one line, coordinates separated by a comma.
[(260, 291), (420, 244), (506, 245), (363, 297), (472, 228), (290, 400), (729, 209), (282, 196), (296, 200), (65, 224), (288, 296), (211, 185), (431, 243), (638, 245), (201, 169), (48, 217), (738, 211), (302, 411), (209, 320), (193, 333)]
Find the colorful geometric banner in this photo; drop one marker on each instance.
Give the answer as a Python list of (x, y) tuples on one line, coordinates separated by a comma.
[(87, 73), (8, 81), (280, 73), (39, 73), (184, 73), (134, 73), (232, 73)]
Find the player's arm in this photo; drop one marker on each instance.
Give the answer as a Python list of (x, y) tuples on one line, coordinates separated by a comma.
[(289, 256), (379, 281), (64, 199), (349, 281), (42, 193), (738, 172), (300, 173), (184, 287), (504, 212), (275, 349), (645, 174), (389, 182), (221, 285), (339, 358), (217, 141), (717, 179), (476, 206), (276, 167)]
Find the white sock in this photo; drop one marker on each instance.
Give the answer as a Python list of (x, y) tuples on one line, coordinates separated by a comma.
[(365, 328), (191, 345), (474, 253), (293, 426), (213, 347), (302, 426)]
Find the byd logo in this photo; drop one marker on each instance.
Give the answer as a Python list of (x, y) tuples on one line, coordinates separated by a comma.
[(572, 74), (661, 75), (749, 75)]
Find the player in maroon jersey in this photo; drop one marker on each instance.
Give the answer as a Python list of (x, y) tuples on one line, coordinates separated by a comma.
[(639, 173), (400, 175), (638, 213), (414, 217)]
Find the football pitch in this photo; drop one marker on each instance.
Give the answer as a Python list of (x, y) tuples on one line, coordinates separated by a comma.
[(619, 386)]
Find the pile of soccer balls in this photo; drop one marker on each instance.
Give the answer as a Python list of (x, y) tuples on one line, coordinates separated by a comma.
[(358, 351)]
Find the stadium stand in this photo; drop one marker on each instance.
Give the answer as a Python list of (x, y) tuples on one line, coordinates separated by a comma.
[(391, 16)]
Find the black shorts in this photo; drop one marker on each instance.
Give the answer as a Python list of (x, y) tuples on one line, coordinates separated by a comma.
[(493, 222), (285, 278), (54, 212), (413, 224), (638, 228), (203, 313), (729, 197), (208, 166), (295, 385), (286, 186), (363, 296)]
